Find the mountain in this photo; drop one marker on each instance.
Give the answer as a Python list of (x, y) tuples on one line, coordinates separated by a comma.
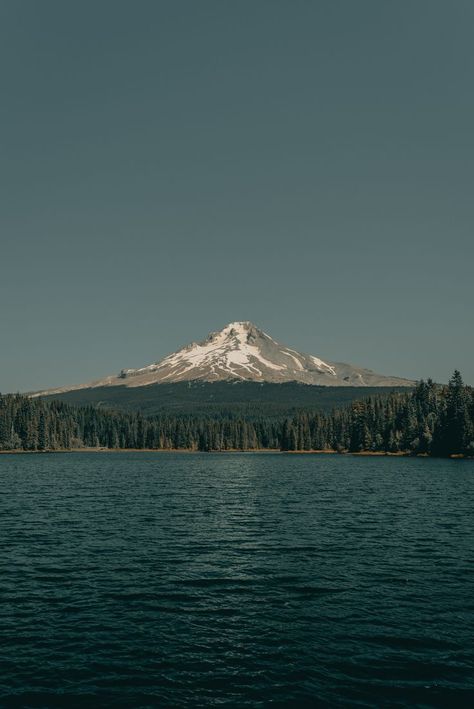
[(241, 352)]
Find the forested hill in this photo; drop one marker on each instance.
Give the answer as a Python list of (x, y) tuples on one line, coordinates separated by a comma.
[(246, 399), (430, 419)]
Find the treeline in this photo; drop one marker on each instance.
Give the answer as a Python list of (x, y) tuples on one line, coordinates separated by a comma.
[(38, 425), (430, 419)]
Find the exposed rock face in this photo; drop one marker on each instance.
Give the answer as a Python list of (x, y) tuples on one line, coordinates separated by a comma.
[(241, 351)]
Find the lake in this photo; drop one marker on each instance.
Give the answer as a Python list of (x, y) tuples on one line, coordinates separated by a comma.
[(236, 580)]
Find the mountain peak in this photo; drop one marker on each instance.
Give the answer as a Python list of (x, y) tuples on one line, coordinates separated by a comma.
[(239, 324), (241, 351), (240, 330)]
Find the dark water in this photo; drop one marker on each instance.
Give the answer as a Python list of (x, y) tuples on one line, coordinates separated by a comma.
[(156, 580)]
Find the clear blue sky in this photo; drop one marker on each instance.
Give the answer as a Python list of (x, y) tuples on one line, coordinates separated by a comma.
[(169, 166)]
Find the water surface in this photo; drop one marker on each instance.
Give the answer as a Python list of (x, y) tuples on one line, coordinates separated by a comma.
[(233, 580)]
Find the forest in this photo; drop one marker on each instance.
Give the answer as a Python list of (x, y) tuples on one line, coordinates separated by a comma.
[(430, 419), (247, 399)]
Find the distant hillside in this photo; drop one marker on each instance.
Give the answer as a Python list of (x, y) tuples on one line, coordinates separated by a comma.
[(250, 399)]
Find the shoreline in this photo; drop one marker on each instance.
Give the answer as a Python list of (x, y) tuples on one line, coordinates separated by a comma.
[(259, 451)]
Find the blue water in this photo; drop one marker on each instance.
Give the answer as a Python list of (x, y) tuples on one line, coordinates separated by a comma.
[(234, 580)]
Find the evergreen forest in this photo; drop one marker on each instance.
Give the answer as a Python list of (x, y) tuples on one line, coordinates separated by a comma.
[(429, 419)]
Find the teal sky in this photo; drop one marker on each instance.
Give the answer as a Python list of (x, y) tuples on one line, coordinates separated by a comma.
[(169, 166)]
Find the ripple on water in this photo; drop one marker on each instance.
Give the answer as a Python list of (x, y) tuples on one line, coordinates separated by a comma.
[(145, 580)]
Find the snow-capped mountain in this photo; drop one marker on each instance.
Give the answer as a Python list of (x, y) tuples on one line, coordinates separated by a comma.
[(241, 351)]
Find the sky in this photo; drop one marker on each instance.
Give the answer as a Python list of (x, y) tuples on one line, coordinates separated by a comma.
[(169, 166)]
